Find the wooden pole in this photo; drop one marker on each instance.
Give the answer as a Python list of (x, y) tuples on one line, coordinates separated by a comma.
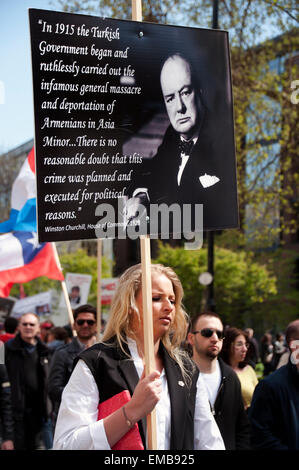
[(147, 304), (149, 356), (145, 249), (99, 290), (136, 10)]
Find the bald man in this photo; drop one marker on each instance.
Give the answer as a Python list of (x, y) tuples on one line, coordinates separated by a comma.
[(180, 97), (27, 361), (186, 169)]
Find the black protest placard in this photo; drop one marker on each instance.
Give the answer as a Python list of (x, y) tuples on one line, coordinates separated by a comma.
[(113, 102)]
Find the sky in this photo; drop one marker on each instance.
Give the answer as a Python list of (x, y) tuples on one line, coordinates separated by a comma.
[(16, 98)]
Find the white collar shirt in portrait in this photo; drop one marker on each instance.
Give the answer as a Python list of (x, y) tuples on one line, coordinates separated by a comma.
[(184, 159), (77, 427)]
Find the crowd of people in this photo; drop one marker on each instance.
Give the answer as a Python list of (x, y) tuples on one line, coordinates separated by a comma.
[(62, 389)]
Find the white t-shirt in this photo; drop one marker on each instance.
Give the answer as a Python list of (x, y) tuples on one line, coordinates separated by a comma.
[(212, 382)]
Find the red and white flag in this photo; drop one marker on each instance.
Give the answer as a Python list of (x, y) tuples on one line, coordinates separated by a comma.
[(22, 259)]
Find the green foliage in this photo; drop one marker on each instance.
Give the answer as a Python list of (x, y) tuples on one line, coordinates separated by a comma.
[(259, 370), (188, 265), (267, 164), (281, 308), (77, 262), (240, 283), (36, 286)]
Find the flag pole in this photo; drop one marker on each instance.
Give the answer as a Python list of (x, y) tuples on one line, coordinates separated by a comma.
[(68, 306), (145, 249), (65, 292)]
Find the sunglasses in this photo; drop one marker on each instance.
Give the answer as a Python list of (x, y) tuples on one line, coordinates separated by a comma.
[(28, 324), (89, 322), (208, 332)]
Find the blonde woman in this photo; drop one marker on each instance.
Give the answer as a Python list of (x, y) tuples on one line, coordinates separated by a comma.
[(116, 364)]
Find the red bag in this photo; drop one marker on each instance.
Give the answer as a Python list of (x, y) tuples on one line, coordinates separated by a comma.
[(132, 439)]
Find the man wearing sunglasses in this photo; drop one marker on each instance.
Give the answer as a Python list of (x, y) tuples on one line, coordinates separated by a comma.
[(205, 337), (26, 359), (85, 326)]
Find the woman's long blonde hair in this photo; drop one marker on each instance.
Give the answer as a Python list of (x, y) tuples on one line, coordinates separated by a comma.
[(124, 302)]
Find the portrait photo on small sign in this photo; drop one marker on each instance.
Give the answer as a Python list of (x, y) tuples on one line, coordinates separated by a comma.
[(134, 129)]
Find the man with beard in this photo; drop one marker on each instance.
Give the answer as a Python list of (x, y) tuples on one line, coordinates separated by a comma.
[(223, 386)]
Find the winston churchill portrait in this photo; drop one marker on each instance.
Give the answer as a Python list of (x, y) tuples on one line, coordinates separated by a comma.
[(187, 167)]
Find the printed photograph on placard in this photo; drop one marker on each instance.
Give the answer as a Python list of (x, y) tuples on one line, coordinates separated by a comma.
[(133, 128), (78, 287)]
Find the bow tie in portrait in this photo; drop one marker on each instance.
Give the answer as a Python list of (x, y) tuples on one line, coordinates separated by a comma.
[(186, 146)]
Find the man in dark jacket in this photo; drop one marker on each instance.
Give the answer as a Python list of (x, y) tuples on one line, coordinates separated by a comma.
[(26, 359), (6, 418), (274, 410), (253, 353), (223, 385), (85, 325)]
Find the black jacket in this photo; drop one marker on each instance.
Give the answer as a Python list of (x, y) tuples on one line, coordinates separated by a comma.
[(220, 209), (14, 360), (229, 411), (114, 372), (274, 410), (6, 417), (61, 367)]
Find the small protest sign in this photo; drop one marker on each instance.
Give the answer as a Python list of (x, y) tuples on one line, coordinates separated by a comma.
[(78, 286), (108, 288), (39, 304)]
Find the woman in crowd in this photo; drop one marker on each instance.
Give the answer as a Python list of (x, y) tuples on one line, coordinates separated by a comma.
[(234, 352), (107, 369), (267, 350), (279, 349), (56, 338)]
